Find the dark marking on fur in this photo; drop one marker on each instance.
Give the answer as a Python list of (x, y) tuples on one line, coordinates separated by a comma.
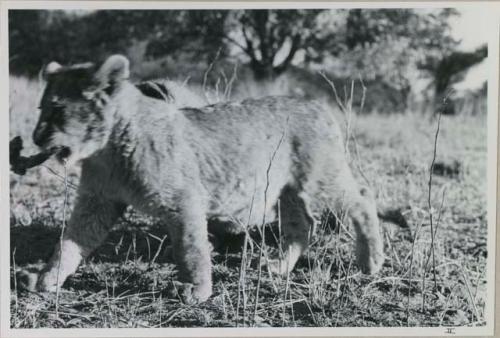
[(109, 89), (88, 133), (155, 90)]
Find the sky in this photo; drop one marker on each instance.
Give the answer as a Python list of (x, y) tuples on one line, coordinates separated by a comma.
[(471, 28)]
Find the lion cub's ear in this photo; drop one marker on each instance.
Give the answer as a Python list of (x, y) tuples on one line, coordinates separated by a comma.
[(114, 70), (50, 69)]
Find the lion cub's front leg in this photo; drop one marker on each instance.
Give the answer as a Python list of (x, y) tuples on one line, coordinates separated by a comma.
[(188, 229), (88, 226)]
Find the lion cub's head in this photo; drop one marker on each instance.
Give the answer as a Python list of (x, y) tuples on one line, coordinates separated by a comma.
[(76, 111)]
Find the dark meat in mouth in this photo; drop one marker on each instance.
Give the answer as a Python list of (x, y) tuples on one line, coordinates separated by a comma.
[(18, 163), (62, 153)]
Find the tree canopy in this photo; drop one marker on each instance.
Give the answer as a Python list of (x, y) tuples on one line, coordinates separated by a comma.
[(381, 45), (270, 40)]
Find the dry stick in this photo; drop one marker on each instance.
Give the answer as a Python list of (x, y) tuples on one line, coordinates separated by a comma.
[(291, 303), (429, 196), (347, 111), (477, 283), (15, 277), (281, 256), (342, 106), (263, 231), (209, 69), (438, 222), (411, 273), (310, 270), (348, 117), (466, 282), (241, 282), (229, 87), (332, 85), (149, 247), (363, 94), (226, 81), (186, 80), (431, 250), (280, 243), (161, 307), (158, 250), (472, 300), (55, 173), (357, 163), (286, 291), (217, 96), (443, 313), (61, 237)]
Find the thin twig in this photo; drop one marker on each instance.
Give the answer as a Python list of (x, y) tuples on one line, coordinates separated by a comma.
[(348, 117), (241, 282), (334, 89), (209, 69), (158, 250), (15, 278), (263, 231), (61, 177), (287, 282), (438, 222), (429, 204), (472, 300), (229, 87), (353, 135), (415, 236), (61, 237)]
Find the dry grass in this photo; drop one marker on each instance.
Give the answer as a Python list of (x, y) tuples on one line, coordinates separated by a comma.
[(128, 282)]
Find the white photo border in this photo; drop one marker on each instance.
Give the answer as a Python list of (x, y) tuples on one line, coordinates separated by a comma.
[(491, 15)]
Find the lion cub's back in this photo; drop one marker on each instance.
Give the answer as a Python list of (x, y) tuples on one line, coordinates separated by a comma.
[(234, 143), (268, 115)]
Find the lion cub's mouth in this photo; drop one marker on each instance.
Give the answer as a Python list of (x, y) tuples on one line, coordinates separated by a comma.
[(62, 153)]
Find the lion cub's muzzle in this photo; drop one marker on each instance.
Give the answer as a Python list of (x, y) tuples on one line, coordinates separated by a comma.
[(42, 134)]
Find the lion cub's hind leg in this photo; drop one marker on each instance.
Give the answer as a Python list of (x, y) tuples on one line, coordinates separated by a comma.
[(369, 244), (344, 194), (296, 222)]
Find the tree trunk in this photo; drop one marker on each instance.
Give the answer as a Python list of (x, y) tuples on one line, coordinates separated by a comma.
[(263, 71)]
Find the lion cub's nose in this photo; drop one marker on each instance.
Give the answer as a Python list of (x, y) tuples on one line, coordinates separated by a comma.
[(41, 134)]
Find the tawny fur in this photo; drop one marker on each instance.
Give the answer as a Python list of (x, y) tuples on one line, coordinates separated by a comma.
[(190, 165)]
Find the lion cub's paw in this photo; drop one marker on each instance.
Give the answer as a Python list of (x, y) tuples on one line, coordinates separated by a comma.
[(371, 262), (188, 293), (47, 282), (27, 277), (26, 280), (276, 266)]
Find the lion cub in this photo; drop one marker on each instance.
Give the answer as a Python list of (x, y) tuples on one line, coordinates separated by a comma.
[(231, 160)]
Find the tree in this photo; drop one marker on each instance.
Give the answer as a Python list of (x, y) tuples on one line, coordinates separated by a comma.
[(447, 69), (267, 32), (269, 40)]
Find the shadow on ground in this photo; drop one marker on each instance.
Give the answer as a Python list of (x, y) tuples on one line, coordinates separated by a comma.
[(127, 254)]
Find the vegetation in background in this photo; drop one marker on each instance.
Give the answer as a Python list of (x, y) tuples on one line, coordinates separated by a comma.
[(382, 46)]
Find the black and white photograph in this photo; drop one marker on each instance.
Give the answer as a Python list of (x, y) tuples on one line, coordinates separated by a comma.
[(205, 169)]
